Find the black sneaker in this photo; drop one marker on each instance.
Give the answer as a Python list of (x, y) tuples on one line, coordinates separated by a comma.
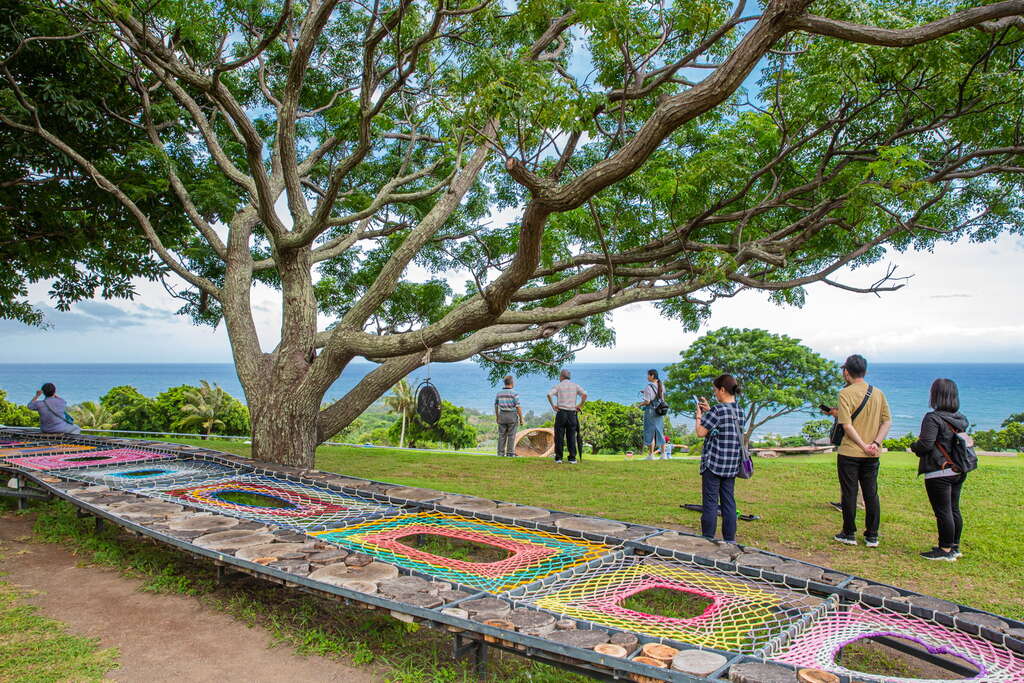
[(939, 554), (848, 539), (837, 506), (955, 549), (871, 541)]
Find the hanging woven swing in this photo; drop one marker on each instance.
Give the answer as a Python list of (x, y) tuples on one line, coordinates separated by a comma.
[(428, 402)]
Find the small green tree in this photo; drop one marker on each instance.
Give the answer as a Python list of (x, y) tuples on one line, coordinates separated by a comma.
[(14, 415), (92, 415), (204, 408), (816, 429), (1016, 418), (606, 425), (453, 429), (134, 411), (778, 375), (402, 402)]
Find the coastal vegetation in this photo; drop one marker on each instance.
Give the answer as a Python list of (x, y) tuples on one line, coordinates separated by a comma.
[(353, 156)]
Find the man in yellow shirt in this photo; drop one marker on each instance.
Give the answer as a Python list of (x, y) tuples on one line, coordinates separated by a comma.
[(864, 414)]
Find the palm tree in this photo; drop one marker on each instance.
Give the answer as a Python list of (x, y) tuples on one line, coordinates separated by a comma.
[(203, 407), (92, 415), (401, 401)]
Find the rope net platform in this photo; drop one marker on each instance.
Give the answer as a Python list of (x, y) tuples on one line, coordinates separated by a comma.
[(143, 476), (744, 614), (283, 503), (533, 554), (83, 456), (820, 644), (26, 449)]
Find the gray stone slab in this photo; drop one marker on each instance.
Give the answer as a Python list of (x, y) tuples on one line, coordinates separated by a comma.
[(757, 672), (799, 570), (757, 560), (698, 662), (934, 604), (490, 605), (880, 591), (985, 620), (591, 525)]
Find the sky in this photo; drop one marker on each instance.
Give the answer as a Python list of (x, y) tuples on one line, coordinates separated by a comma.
[(963, 304)]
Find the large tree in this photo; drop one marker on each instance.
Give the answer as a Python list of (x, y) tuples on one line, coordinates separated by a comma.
[(778, 375), (351, 154)]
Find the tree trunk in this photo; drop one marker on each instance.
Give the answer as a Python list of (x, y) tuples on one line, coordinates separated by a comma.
[(401, 438), (284, 427)]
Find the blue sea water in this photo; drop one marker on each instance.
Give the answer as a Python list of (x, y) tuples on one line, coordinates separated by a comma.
[(988, 391)]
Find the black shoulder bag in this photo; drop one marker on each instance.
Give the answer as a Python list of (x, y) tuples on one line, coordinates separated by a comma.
[(837, 432)]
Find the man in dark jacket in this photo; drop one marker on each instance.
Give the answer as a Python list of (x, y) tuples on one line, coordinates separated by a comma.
[(942, 480)]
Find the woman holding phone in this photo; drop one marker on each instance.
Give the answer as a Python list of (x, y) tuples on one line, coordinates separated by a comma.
[(721, 427)]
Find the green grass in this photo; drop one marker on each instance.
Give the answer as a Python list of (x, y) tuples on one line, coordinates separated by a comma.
[(254, 499), (466, 551), (37, 649), (790, 494), (870, 657), (667, 603)]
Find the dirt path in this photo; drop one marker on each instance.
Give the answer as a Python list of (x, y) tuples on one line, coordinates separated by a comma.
[(161, 637)]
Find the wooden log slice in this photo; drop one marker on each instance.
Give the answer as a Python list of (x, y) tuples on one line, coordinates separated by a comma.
[(649, 661), (404, 585), (985, 620), (584, 638), (207, 523), (660, 652), (424, 600), (626, 640), (500, 623), (565, 625), (757, 560), (328, 556), (452, 595), (521, 512), (531, 622), (880, 591), (275, 550), (375, 572), (352, 584), (800, 570), (358, 560), (816, 676), (591, 525), (610, 649), (687, 544), (471, 503), (758, 672), (231, 541), (489, 605), (698, 662), (934, 604)]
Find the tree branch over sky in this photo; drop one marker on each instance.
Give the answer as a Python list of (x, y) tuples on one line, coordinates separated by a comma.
[(353, 156)]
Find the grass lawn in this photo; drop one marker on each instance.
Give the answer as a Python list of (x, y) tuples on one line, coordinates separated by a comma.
[(790, 494)]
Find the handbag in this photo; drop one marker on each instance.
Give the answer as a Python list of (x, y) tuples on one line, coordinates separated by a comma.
[(836, 434), (746, 470), (658, 403)]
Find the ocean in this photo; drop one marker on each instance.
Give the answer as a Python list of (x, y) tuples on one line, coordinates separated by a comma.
[(989, 392)]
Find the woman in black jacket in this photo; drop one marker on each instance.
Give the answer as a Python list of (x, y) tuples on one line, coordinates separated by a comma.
[(942, 480)]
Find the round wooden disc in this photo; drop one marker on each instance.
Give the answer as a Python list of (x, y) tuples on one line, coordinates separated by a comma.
[(816, 676), (208, 523), (500, 623), (231, 541), (650, 661), (660, 652), (253, 552), (611, 650)]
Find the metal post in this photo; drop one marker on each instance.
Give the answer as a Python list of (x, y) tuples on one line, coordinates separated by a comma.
[(99, 524), (481, 659)]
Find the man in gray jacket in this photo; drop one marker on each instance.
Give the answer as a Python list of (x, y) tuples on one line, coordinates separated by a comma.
[(508, 413)]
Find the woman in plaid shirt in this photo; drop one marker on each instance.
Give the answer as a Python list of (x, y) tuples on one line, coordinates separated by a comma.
[(721, 428)]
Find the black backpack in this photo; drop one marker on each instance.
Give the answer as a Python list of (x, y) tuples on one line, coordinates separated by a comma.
[(961, 455), (660, 407)]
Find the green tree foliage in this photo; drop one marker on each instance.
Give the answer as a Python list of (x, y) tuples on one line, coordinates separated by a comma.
[(92, 415), (899, 443), (204, 407), (610, 426), (402, 402), (15, 415), (814, 430), (453, 429), (134, 411), (1011, 437), (57, 223), (1014, 418), (778, 375), (324, 149)]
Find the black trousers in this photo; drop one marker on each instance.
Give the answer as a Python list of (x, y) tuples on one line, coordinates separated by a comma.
[(863, 473), (567, 428), (718, 492), (944, 495)]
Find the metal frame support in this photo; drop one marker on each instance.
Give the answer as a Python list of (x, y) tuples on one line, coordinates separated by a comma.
[(478, 648)]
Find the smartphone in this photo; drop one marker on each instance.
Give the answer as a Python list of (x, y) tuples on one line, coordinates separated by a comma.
[(696, 401), (824, 408)]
